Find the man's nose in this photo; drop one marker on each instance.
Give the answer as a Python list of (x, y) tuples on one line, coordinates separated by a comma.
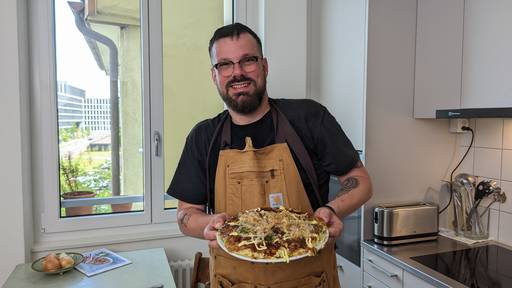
[(237, 69)]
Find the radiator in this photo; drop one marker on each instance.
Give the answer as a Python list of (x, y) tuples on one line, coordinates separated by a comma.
[(182, 272)]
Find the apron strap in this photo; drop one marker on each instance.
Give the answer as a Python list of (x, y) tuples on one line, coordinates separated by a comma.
[(209, 191), (286, 134)]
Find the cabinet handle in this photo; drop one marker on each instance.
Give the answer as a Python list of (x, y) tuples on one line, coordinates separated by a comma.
[(386, 272), (367, 286)]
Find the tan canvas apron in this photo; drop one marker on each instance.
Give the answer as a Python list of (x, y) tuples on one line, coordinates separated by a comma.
[(252, 178)]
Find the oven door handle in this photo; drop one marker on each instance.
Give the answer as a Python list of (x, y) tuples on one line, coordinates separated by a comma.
[(386, 272)]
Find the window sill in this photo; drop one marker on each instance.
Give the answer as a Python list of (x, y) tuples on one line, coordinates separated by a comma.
[(98, 237)]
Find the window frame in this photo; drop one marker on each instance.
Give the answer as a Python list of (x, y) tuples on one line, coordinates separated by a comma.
[(44, 113), (44, 149)]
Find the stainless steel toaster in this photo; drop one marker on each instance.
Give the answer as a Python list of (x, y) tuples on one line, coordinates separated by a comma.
[(405, 223)]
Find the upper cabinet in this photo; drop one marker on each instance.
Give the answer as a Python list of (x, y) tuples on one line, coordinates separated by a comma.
[(487, 66), (462, 55), (438, 72)]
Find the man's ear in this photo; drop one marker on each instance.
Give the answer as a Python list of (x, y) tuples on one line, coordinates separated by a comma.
[(265, 65), (214, 75)]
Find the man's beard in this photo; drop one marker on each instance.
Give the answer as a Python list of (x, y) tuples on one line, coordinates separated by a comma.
[(251, 101)]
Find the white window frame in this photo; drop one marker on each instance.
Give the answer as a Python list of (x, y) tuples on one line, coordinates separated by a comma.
[(45, 145), (44, 113)]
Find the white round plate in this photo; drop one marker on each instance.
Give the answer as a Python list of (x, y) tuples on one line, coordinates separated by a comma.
[(278, 260)]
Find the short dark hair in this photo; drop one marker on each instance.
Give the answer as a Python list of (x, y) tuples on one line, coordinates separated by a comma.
[(233, 31)]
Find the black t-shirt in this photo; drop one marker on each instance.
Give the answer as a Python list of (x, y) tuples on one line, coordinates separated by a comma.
[(330, 150)]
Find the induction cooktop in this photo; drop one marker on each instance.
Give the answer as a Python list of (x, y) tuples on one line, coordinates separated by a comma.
[(485, 266)]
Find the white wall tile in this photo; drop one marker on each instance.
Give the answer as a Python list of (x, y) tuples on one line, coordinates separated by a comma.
[(506, 169), (507, 188), (493, 224), (505, 228), (489, 133), (487, 163), (507, 134), (467, 165)]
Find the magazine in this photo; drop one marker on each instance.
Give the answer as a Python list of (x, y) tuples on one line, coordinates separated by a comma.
[(99, 261)]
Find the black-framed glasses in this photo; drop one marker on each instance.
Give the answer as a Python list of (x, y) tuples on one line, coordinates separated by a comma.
[(247, 64)]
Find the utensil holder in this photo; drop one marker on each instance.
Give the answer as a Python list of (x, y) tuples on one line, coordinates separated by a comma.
[(477, 226)]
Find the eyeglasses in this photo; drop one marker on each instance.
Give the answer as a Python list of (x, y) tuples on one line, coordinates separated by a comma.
[(247, 64)]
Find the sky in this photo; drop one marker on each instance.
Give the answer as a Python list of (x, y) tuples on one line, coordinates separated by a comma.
[(75, 62)]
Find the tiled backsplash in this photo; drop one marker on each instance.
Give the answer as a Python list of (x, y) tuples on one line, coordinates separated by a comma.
[(491, 158)]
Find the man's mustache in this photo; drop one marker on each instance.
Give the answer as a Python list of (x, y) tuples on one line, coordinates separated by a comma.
[(240, 78)]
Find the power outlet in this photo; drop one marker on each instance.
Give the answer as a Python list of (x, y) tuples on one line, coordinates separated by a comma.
[(457, 124)]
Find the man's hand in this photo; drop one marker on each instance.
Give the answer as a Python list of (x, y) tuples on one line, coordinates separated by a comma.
[(210, 231), (333, 222)]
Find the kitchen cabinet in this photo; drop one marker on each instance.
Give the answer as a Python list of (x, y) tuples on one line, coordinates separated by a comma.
[(462, 55), (382, 270), (348, 273), (412, 281), (438, 71), (487, 62), (371, 282)]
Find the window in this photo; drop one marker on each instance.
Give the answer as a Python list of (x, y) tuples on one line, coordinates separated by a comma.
[(121, 83)]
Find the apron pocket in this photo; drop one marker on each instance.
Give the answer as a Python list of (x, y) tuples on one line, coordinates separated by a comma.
[(252, 186)]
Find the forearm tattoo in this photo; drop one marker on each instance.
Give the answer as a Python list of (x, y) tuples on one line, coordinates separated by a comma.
[(347, 185), (184, 217)]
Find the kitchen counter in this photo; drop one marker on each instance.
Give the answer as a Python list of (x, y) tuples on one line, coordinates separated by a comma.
[(400, 255)]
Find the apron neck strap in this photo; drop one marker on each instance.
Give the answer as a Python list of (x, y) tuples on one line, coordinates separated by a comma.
[(286, 134)]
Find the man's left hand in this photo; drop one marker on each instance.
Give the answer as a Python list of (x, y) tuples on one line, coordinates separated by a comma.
[(333, 222)]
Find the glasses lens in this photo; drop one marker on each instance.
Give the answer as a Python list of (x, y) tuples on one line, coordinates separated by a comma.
[(249, 64), (225, 68)]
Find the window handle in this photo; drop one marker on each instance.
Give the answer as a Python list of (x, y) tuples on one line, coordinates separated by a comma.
[(157, 141), (386, 272)]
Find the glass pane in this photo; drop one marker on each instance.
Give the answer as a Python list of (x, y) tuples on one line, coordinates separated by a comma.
[(99, 100), (189, 93)]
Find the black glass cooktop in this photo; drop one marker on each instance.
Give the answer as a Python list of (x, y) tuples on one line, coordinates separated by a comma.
[(486, 266)]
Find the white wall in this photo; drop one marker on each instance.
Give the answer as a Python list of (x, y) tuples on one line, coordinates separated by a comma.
[(337, 62), (282, 26), (16, 212), (405, 157)]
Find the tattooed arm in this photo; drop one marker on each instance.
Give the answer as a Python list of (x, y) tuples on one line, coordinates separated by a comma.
[(356, 189), (192, 219)]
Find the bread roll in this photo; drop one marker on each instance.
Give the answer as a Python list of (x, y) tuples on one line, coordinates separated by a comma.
[(51, 263), (65, 260)]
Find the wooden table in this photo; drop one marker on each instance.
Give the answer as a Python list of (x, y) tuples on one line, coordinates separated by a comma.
[(149, 268)]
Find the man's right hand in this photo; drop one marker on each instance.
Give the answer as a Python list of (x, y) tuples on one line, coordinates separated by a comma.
[(210, 231)]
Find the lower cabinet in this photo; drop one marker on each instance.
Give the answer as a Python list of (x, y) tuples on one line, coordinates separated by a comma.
[(348, 273), (382, 270), (370, 282), (412, 281), (379, 272)]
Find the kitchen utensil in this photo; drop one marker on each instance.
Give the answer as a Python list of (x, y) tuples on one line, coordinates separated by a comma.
[(463, 189), (478, 217)]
